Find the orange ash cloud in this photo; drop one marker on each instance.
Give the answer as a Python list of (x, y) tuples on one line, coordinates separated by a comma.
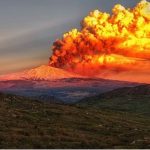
[(118, 42)]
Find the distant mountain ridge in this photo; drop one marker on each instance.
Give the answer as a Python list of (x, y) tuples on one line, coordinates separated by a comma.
[(128, 91), (128, 99)]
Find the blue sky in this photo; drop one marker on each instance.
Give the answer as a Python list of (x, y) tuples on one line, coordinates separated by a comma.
[(29, 27)]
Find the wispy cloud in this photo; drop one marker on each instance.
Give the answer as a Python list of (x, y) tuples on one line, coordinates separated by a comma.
[(31, 45)]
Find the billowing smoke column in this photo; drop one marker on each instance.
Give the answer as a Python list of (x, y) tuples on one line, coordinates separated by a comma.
[(120, 41)]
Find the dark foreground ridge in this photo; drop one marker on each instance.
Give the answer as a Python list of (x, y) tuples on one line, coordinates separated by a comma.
[(127, 99), (33, 124)]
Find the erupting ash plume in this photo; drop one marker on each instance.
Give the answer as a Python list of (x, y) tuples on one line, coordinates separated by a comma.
[(117, 42)]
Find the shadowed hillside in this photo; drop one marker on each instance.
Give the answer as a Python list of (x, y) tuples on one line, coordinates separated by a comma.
[(33, 124), (127, 99)]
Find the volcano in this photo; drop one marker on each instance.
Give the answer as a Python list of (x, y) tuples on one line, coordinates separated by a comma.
[(88, 62), (43, 72), (45, 82)]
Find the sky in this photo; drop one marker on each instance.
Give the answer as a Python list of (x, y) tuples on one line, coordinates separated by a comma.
[(28, 28)]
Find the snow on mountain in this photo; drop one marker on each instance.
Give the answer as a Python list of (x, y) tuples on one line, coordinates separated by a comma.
[(43, 72)]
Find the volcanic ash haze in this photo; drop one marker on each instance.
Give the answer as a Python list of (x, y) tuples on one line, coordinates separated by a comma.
[(117, 44)]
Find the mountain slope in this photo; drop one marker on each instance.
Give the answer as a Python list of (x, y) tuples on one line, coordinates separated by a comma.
[(69, 89), (43, 72), (33, 124), (127, 99), (11, 97)]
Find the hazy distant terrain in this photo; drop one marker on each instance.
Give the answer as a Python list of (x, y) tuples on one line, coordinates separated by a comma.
[(68, 90)]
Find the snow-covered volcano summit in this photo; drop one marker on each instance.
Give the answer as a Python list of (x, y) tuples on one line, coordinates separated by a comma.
[(43, 72)]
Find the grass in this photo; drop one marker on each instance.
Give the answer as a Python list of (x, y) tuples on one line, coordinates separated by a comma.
[(33, 124)]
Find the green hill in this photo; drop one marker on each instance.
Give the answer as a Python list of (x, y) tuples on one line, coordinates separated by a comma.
[(32, 124), (128, 99)]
